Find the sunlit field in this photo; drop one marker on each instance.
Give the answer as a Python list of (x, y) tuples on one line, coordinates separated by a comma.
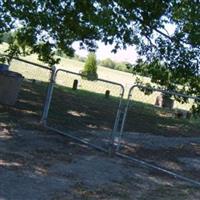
[(66, 79)]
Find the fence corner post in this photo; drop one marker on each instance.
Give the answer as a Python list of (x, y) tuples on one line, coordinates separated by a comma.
[(48, 97), (113, 147)]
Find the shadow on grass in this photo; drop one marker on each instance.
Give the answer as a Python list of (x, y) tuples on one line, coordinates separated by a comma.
[(28, 107), (147, 118), (84, 110)]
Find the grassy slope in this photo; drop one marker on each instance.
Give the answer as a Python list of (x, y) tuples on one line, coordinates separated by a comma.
[(105, 73), (154, 119), (84, 110), (126, 79)]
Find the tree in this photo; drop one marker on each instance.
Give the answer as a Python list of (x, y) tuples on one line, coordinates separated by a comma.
[(48, 26), (108, 63), (6, 37), (56, 24), (90, 67), (173, 60)]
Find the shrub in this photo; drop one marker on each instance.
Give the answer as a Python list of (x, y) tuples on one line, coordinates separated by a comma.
[(108, 63), (90, 67), (79, 58)]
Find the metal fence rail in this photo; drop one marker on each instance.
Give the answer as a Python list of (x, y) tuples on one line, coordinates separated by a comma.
[(158, 130), (88, 110), (143, 99), (95, 114), (31, 98)]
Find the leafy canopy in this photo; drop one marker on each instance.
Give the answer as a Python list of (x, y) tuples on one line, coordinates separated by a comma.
[(44, 27)]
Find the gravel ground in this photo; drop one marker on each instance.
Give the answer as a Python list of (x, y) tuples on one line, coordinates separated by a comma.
[(42, 165), (157, 142), (180, 154), (148, 140)]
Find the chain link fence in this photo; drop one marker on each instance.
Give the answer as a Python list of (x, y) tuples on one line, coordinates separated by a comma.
[(153, 127), (83, 108), (160, 127)]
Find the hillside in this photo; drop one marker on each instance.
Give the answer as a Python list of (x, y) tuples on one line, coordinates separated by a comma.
[(124, 78)]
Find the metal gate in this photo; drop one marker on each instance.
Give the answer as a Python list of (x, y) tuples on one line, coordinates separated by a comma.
[(161, 130), (83, 109)]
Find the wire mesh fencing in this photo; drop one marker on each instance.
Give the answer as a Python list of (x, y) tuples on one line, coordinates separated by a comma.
[(83, 108), (33, 88), (161, 127)]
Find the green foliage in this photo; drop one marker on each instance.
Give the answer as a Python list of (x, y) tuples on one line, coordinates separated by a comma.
[(124, 66), (79, 58), (90, 67), (5, 37), (108, 63), (158, 73), (121, 66), (57, 24), (49, 25), (173, 80)]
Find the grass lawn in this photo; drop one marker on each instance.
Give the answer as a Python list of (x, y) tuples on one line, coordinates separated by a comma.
[(124, 78), (85, 110), (88, 110), (147, 118)]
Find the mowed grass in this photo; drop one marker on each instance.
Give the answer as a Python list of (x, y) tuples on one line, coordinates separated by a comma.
[(147, 118), (85, 109), (90, 111), (126, 79), (82, 110)]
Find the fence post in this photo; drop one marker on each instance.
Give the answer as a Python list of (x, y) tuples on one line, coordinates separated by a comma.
[(48, 98), (114, 133), (124, 117)]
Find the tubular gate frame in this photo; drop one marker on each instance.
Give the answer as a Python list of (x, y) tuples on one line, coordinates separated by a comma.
[(150, 89), (50, 93), (119, 111)]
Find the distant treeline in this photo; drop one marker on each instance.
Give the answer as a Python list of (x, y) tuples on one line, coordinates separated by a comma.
[(121, 66), (109, 63)]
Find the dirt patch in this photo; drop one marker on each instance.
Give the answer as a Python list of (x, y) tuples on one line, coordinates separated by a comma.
[(44, 165), (179, 154)]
